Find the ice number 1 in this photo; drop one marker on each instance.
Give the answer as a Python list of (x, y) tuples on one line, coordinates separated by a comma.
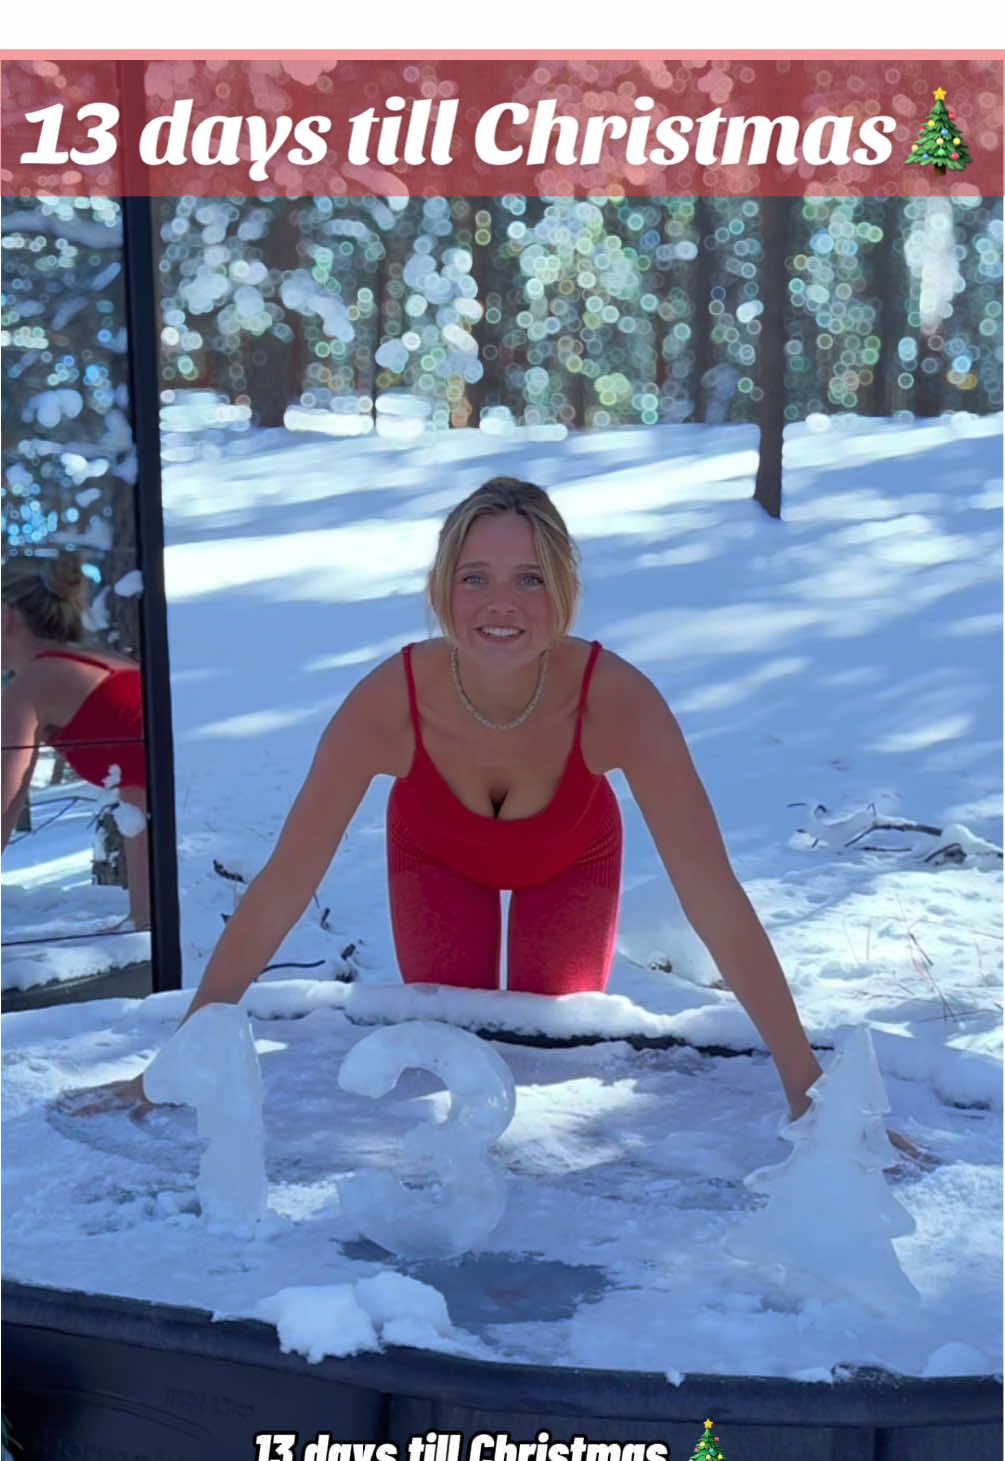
[(469, 1195), (211, 1063)]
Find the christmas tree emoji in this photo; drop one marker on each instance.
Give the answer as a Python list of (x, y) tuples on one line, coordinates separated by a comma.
[(940, 142), (708, 1448)]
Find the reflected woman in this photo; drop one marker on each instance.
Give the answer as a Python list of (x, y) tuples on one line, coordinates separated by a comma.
[(86, 704)]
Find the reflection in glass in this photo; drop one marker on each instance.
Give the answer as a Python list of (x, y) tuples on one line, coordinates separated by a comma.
[(75, 866)]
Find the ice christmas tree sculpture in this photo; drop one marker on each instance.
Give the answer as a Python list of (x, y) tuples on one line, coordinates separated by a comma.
[(708, 1448), (830, 1219), (940, 143)]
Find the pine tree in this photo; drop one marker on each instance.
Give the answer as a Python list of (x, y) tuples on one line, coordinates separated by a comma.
[(708, 1448), (940, 143)]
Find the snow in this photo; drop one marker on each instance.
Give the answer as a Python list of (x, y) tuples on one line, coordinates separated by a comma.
[(319, 1321), (58, 924), (130, 584), (342, 1319), (837, 668), (332, 423), (129, 819), (51, 407)]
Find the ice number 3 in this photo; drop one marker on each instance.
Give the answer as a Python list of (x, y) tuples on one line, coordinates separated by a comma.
[(471, 1193)]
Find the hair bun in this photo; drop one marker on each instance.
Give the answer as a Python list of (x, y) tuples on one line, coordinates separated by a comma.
[(64, 576)]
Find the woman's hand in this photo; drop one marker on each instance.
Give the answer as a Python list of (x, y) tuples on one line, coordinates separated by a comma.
[(116, 1096), (910, 1149), (798, 1107)]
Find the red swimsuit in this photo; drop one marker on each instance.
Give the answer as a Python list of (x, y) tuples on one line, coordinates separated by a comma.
[(107, 730), (447, 865)]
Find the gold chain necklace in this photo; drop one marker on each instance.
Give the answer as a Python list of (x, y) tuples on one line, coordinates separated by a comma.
[(510, 724)]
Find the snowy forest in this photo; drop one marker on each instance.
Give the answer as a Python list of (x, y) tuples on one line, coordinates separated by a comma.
[(409, 315)]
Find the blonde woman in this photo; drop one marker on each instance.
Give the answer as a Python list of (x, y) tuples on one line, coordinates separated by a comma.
[(499, 736)]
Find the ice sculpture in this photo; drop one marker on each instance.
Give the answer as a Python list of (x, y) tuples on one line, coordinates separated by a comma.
[(210, 1063), (831, 1218), (465, 1193)]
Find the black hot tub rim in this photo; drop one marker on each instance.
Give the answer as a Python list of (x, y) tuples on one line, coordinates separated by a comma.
[(868, 1397)]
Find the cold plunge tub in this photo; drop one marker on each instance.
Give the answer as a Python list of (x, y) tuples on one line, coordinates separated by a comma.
[(93, 1378)]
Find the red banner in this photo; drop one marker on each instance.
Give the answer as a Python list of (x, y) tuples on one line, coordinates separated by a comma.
[(471, 127)]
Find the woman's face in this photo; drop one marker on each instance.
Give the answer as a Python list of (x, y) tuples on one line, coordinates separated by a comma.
[(501, 608)]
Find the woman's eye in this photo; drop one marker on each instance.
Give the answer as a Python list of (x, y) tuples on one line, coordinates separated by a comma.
[(533, 579)]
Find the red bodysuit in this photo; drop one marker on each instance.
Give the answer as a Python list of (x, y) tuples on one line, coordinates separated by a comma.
[(107, 730), (448, 864)]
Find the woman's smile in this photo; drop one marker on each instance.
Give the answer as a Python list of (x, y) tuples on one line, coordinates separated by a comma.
[(499, 633)]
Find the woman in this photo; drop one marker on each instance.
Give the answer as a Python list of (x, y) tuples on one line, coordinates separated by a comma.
[(87, 705), (499, 736)]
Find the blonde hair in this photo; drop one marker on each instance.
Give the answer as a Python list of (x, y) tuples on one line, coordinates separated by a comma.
[(556, 551), (50, 594)]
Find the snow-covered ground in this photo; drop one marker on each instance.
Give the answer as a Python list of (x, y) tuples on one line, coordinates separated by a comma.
[(58, 925), (836, 669)]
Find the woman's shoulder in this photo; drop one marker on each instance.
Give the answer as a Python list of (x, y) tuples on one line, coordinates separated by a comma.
[(622, 703), (617, 672), (55, 658), (383, 687), (423, 652), (379, 702), (614, 678)]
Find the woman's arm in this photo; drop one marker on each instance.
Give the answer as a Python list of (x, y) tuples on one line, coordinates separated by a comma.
[(650, 748), (357, 744), (353, 749), (20, 750)]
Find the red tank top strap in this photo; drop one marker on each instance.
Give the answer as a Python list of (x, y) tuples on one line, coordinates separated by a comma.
[(413, 699), (584, 691), (79, 658)]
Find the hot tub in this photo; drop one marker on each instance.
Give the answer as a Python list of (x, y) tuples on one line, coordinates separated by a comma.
[(95, 1378)]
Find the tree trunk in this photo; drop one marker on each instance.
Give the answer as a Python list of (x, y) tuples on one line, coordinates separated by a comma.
[(377, 328), (274, 368), (397, 244), (702, 344), (929, 388), (533, 213), (775, 222), (661, 323), (481, 393), (578, 389), (108, 866), (888, 288), (123, 632)]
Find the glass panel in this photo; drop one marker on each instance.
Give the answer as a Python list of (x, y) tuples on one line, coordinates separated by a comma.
[(75, 883)]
